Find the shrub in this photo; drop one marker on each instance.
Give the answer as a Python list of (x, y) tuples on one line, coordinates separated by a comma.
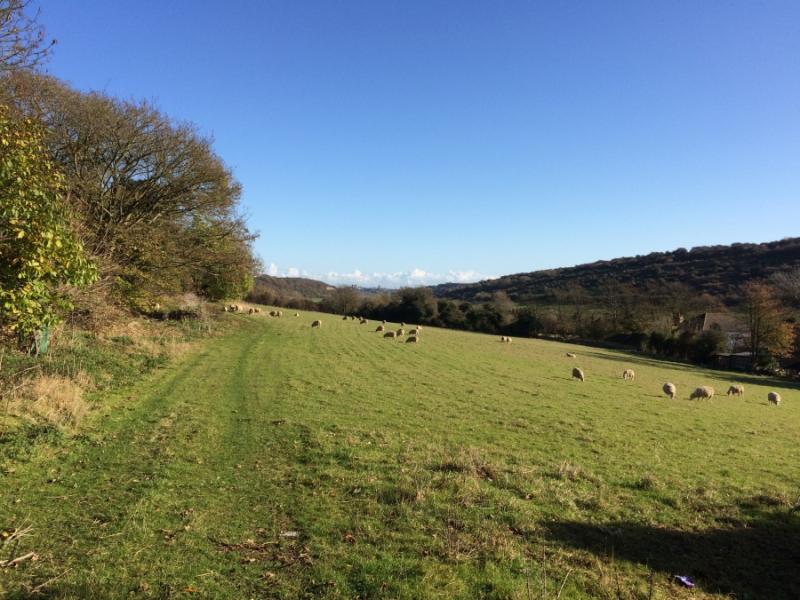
[(38, 251)]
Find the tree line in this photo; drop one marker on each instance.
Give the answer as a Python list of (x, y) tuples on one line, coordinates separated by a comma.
[(103, 192)]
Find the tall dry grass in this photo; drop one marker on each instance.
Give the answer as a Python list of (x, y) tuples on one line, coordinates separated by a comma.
[(56, 399)]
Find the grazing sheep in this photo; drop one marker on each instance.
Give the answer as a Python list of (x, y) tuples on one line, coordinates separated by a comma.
[(384, 321), (508, 340), (402, 324), (670, 390), (418, 328), (272, 313), (704, 391), (363, 321), (280, 313), (774, 398), (412, 339), (502, 338), (258, 310), (401, 332), (224, 309), (380, 328), (736, 390), (344, 318), (389, 334), (296, 314), (251, 311), (628, 374), (316, 323), (570, 355), (578, 374)]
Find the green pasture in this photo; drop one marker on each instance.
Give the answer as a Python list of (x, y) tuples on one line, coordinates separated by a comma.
[(281, 461)]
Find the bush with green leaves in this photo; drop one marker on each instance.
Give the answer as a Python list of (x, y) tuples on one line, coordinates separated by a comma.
[(39, 253)]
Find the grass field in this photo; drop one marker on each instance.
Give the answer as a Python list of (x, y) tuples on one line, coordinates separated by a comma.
[(280, 461)]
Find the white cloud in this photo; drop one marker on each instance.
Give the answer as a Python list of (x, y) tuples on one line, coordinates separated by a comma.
[(356, 277), (395, 279), (386, 279)]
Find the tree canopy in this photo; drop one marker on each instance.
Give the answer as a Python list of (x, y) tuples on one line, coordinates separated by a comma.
[(155, 206)]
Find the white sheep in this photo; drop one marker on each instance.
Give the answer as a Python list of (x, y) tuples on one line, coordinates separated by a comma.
[(628, 374), (401, 332), (380, 328), (774, 398), (670, 390), (578, 374), (390, 334), (412, 339), (736, 390), (316, 323), (570, 355), (704, 391)]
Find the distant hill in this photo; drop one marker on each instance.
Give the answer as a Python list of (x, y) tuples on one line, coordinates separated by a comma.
[(714, 270), (291, 287)]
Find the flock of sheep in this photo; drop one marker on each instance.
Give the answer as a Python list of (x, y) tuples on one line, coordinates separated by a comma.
[(253, 310), (414, 337), (671, 390)]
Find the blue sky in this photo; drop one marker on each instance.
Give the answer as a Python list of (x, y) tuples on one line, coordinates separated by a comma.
[(388, 142)]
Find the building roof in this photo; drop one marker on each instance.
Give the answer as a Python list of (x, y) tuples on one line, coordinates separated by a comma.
[(726, 322), (723, 321)]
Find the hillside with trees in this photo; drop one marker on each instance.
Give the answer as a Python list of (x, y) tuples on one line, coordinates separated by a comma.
[(282, 291), (717, 271)]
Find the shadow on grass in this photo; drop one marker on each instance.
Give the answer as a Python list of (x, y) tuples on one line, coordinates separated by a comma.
[(756, 559), (734, 376)]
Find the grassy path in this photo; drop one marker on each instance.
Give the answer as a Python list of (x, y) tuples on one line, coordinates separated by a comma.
[(285, 462)]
